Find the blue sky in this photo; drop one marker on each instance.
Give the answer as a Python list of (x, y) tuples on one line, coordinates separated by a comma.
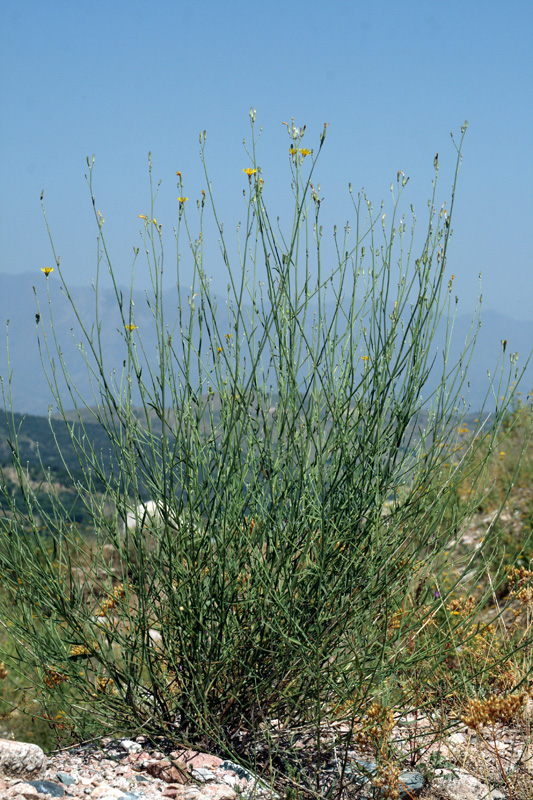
[(392, 80)]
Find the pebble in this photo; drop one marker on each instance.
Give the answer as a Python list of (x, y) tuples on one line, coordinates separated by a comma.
[(48, 788), (202, 774), (65, 779), (113, 772), (128, 769), (131, 747), (411, 783)]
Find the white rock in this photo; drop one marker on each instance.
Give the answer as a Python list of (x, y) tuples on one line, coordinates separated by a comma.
[(21, 760), (458, 784), (130, 746), (218, 791), (501, 745), (106, 792), (457, 738), (150, 514), (203, 774)]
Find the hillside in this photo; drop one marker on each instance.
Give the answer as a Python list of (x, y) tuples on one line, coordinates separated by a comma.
[(30, 391)]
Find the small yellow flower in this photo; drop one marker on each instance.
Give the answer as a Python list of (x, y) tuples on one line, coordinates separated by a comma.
[(47, 270), (305, 152), (78, 650), (53, 678), (178, 173), (103, 684), (131, 328), (249, 171), (293, 150), (219, 349), (143, 216), (364, 358), (182, 200)]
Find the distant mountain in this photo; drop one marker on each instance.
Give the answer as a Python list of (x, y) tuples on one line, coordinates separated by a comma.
[(30, 391)]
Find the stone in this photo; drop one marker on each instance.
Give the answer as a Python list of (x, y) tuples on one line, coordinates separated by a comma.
[(411, 784), (457, 738), (130, 747), (166, 771), (219, 791), (19, 796), (65, 779), (459, 784), (203, 774), (238, 770), (21, 759), (211, 791), (244, 781), (106, 792), (195, 759), (48, 788), (21, 791)]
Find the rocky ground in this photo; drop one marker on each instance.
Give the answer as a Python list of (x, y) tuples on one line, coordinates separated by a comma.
[(463, 767)]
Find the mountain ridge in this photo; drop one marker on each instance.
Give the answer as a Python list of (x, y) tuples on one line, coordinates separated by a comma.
[(30, 392)]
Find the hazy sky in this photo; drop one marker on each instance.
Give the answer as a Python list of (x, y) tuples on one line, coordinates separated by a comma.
[(391, 79)]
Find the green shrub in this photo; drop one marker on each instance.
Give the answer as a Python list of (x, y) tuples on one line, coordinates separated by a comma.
[(292, 567)]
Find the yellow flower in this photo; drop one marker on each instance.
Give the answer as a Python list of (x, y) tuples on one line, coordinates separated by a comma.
[(103, 684), (79, 650), (364, 358), (143, 216), (178, 173), (47, 270), (293, 150), (182, 200), (249, 171), (131, 328), (305, 152), (53, 678)]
